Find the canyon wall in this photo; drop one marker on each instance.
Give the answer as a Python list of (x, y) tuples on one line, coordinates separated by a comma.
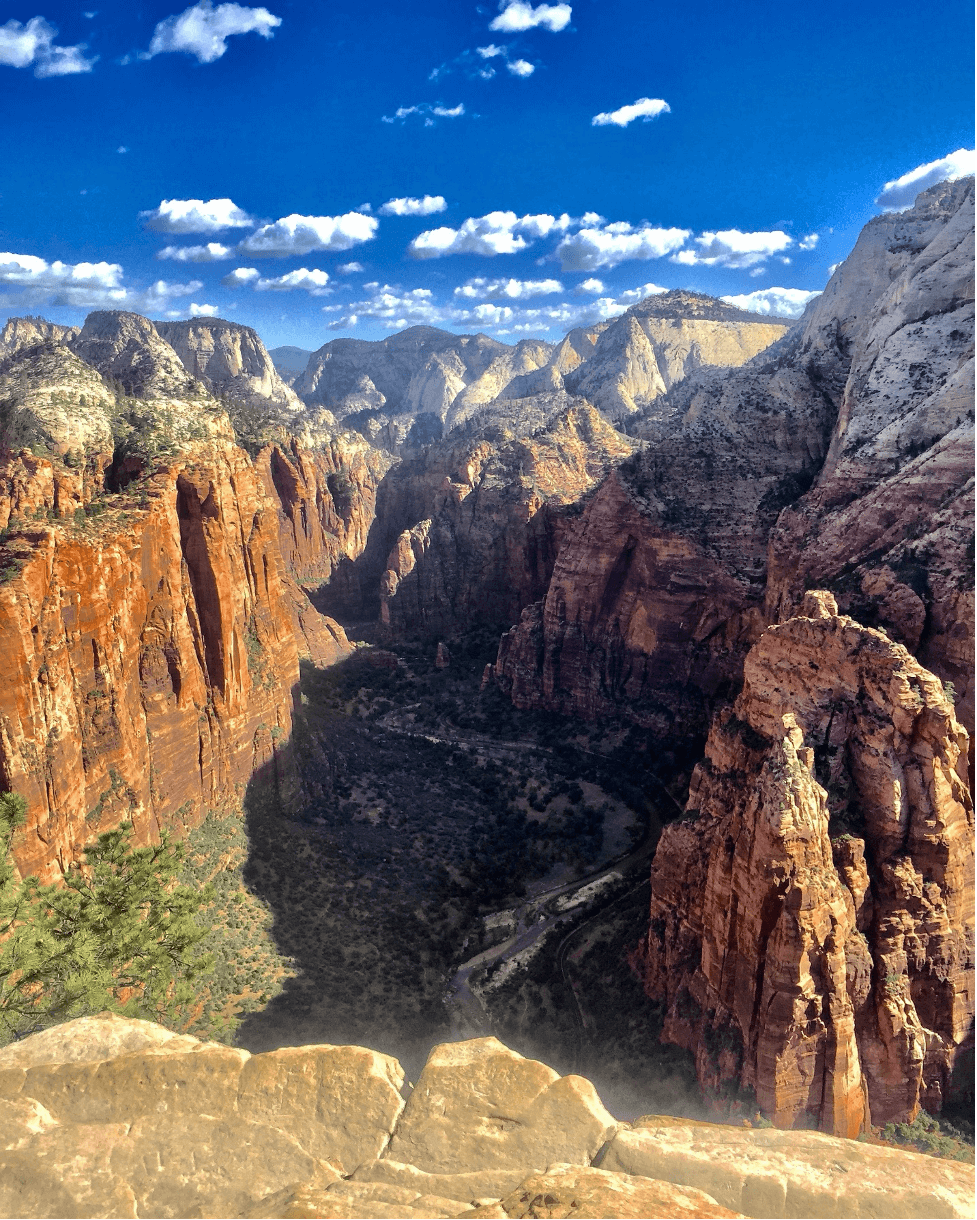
[(811, 932), (841, 454), (150, 626)]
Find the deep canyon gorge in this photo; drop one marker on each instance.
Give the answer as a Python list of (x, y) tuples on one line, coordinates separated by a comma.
[(613, 697)]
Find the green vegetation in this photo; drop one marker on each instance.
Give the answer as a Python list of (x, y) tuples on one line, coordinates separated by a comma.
[(120, 934), (936, 1138)]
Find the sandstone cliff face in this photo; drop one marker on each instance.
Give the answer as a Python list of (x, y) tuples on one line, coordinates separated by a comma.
[(744, 495), (811, 929), (18, 333), (229, 359), (494, 523), (655, 344), (149, 654), (105, 1116), (888, 524), (127, 348)]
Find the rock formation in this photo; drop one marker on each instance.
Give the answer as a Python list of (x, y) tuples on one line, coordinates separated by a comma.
[(229, 359), (104, 1116), (150, 627), (744, 496), (28, 332), (655, 344), (493, 521), (811, 930)]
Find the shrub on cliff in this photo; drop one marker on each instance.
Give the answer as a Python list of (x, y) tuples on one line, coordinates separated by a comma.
[(119, 934)]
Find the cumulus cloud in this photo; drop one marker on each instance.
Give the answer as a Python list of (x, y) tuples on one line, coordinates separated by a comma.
[(203, 30), (634, 295), (410, 206), (313, 281), (32, 45), (203, 311), (731, 248), (901, 192), (494, 233), (240, 276), (212, 252), (589, 287), (516, 16), (784, 302), (195, 216), (491, 51), (520, 67), (645, 108), (592, 247), (808, 242), (350, 268), (301, 234), (426, 110), (513, 290), (83, 285)]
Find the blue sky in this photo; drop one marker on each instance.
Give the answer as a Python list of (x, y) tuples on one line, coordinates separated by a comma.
[(552, 162)]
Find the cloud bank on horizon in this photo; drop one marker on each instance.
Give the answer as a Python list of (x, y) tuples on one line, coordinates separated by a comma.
[(260, 130)]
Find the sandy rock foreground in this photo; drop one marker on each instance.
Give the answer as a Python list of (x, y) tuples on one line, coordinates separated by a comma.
[(108, 1117)]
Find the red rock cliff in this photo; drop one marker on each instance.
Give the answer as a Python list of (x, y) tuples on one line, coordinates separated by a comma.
[(811, 931)]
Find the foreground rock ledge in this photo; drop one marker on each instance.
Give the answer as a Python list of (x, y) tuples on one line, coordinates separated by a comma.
[(109, 1117)]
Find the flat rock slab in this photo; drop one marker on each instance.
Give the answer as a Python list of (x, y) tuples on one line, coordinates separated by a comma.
[(569, 1192), (479, 1106), (792, 1175), (346, 1200)]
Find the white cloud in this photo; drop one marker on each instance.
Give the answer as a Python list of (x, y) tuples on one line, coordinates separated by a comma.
[(785, 302), (644, 108), (212, 252), (731, 248), (808, 242), (203, 30), (122, 149), (592, 248), (516, 15), (301, 234), (350, 268), (83, 285), (426, 110), (521, 67), (494, 233), (240, 276), (589, 287), (491, 51), (901, 192), (314, 282), (195, 216), (634, 295), (203, 311), (32, 45), (513, 290), (410, 206)]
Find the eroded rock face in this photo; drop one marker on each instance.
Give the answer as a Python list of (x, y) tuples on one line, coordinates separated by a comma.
[(492, 524), (28, 332), (150, 652), (229, 359), (128, 348), (106, 1116), (811, 927)]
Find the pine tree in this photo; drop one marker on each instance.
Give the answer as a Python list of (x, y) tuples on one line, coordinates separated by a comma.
[(119, 934)]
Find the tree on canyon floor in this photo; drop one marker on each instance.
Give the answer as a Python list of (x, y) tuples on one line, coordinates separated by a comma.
[(119, 934)]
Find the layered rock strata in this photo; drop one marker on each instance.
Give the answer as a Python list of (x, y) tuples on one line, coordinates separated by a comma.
[(111, 1117), (494, 517), (811, 926), (841, 454)]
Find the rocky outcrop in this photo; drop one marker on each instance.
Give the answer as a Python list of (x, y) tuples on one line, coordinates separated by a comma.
[(810, 932), (657, 343), (230, 360), (128, 349), (150, 651), (105, 1116), (743, 496), (495, 513), (19, 333)]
